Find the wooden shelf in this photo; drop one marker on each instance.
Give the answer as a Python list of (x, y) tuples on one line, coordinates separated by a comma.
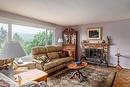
[(70, 42)]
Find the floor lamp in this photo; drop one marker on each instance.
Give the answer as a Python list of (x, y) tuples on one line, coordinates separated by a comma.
[(118, 66)]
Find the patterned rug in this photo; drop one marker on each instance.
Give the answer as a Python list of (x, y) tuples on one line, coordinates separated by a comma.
[(95, 78)]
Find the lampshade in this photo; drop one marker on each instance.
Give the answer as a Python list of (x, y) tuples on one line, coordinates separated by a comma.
[(60, 40), (12, 49)]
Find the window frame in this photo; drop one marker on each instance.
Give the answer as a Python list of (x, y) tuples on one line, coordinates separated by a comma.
[(10, 33), (6, 29)]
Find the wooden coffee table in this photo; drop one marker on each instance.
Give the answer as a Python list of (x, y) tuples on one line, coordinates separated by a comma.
[(32, 75), (77, 68)]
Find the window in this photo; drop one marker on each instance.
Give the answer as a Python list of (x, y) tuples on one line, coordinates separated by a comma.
[(3, 34), (30, 36), (50, 37)]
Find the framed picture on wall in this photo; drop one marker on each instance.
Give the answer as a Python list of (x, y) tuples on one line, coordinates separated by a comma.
[(95, 33)]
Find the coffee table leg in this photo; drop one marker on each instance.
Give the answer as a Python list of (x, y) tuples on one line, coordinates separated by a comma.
[(75, 73), (79, 74), (83, 75)]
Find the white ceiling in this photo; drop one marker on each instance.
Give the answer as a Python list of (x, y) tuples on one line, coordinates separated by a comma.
[(69, 12)]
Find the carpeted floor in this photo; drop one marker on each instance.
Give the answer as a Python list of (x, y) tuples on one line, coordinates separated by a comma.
[(95, 78)]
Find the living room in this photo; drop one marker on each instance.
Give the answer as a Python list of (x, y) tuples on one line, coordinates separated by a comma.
[(94, 33)]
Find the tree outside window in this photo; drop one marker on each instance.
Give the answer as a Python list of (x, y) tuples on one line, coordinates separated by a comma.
[(30, 37)]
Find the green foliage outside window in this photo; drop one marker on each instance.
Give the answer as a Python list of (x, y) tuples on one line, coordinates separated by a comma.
[(38, 40), (50, 35)]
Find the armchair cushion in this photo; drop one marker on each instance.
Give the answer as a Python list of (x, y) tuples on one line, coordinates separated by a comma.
[(1, 62)]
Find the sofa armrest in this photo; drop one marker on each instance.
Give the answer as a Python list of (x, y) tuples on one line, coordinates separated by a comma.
[(41, 63), (37, 61)]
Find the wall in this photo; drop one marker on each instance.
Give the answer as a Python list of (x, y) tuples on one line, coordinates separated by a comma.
[(120, 33), (58, 34), (7, 17)]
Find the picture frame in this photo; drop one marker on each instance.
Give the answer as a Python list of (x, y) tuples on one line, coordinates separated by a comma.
[(95, 33)]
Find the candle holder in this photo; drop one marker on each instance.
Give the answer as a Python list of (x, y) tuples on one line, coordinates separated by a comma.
[(118, 67)]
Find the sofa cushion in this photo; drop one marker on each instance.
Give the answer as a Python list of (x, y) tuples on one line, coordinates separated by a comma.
[(53, 55), (62, 60), (38, 50), (50, 65), (57, 62), (50, 49), (55, 68), (58, 48), (53, 48), (2, 62)]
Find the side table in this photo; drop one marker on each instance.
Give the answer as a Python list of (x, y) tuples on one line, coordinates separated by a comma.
[(31, 75), (24, 66)]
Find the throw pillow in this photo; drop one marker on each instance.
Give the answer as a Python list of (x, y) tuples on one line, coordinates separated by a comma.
[(62, 55), (66, 53), (44, 59)]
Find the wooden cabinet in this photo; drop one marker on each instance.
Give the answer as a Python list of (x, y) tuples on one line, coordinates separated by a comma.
[(70, 42)]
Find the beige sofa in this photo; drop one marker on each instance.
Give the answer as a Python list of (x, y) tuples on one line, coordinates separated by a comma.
[(52, 52)]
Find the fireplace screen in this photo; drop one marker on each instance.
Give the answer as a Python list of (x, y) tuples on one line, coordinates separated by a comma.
[(93, 53)]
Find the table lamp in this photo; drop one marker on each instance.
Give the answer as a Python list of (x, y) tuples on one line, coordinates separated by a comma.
[(60, 41), (12, 50)]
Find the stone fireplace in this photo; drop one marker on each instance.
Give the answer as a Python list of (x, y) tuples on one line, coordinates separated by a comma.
[(96, 53)]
